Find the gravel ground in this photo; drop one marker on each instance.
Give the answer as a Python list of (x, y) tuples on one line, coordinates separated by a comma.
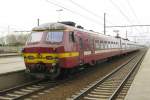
[(67, 89)]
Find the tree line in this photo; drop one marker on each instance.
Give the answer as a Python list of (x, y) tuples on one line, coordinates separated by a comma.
[(14, 40)]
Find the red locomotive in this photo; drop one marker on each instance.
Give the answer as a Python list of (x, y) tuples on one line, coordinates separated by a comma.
[(53, 47)]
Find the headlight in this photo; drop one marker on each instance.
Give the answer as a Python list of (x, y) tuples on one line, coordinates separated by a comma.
[(30, 57), (48, 57)]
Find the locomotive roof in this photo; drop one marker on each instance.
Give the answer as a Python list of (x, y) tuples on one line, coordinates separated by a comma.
[(60, 26), (49, 26)]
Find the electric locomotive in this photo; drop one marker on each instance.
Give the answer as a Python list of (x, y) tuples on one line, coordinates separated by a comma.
[(50, 48)]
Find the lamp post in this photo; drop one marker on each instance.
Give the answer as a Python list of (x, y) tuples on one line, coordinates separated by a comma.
[(59, 10)]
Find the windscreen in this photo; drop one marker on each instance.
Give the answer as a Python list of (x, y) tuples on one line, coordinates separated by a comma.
[(54, 36), (35, 37)]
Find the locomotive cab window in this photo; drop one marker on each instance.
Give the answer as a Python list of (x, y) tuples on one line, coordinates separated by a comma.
[(54, 36), (35, 37)]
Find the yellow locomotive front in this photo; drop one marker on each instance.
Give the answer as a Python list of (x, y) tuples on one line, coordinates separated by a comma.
[(42, 49)]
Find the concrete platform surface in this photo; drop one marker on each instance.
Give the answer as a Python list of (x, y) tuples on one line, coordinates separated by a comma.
[(13, 63), (140, 88)]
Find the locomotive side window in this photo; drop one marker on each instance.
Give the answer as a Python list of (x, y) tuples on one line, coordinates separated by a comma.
[(71, 37), (35, 37), (54, 36)]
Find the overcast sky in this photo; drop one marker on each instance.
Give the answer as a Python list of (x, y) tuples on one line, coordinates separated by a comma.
[(18, 15)]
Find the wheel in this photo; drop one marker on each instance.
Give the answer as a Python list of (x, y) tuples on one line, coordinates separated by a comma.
[(55, 72)]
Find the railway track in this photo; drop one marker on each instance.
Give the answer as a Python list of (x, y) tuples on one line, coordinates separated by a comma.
[(29, 89), (108, 87), (25, 90)]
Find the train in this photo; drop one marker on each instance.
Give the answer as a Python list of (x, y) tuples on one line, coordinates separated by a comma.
[(54, 47)]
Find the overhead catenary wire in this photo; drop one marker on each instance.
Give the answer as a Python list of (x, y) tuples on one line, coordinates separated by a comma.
[(87, 10), (122, 13), (133, 12), (74, 12), (129, 26)]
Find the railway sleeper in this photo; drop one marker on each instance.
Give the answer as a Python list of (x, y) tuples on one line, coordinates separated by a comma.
[(20, 92), (5, 98), (93, 98), (101, 93), (101, 90), (98, 96), (13, 95), (110, 87)]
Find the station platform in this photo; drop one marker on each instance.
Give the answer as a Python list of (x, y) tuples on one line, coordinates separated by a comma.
[(140, 87), (11, 64), (9, 54)]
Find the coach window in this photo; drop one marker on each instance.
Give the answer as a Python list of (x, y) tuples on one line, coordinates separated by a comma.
[(101, 44), (97, 44), (114, 45), (109, 45), (87, 44), (91, 43), (105, 45), (117, 45), (123, 45)]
